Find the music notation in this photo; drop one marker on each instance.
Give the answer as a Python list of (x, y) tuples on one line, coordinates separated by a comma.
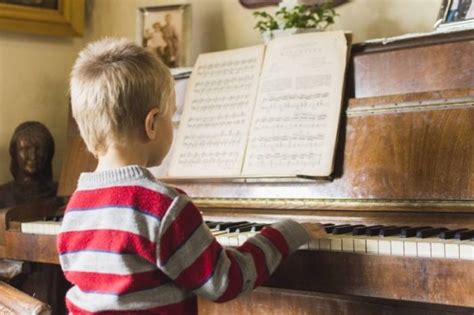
[(296, 114), (217, 117), (263, 111)]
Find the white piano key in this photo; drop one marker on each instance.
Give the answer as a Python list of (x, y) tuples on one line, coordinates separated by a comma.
[(313, 245), (423, 249), (385, 246), (348, 245), (466, 250), (325, 244), (437, 249), (303, 247), (233, 240), (372, 246), (360, 245), (223, 240), (410, 248), (336, 244), (452, 250), (397, 247), (243, 237)]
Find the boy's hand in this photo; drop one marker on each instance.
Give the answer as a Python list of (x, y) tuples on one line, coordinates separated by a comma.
[(315, 230)]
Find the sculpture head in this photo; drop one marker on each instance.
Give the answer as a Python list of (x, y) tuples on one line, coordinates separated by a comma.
[(31, 151)]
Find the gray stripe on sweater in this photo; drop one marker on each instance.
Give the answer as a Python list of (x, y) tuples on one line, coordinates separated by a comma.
[(249, 272), (100, 262), (173, 212), (112, 218), (293, 232), (218, 283), (272, 255), (188, 253), (94, 302)]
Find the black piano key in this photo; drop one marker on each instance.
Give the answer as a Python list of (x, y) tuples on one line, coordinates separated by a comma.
[(330, 229), (212, 224), (449, 234), (246, 228), (430, 232), (410, 232), (373, 231), (363, 229), (346, 229), (393, 230), (259, 227), (225, 225), (234, 228), (464, 235), (54, 218)]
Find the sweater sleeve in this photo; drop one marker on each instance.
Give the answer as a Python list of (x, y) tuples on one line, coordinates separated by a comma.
[(189, 254)]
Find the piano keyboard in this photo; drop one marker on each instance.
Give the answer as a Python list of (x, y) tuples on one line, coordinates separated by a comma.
[(377, 239)]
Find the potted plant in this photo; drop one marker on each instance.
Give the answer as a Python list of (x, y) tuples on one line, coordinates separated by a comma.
[(295, 18)]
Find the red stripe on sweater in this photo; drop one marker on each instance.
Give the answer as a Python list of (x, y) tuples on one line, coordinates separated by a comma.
[(114, 283), (202, 268), (144, 199), (179, 231), (234, 276), (186, 307), (107, 240), (277, 239), (259, 260)]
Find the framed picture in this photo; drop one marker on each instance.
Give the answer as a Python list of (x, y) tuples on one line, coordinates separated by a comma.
[(46, 17), (166, 32), (456, 14)]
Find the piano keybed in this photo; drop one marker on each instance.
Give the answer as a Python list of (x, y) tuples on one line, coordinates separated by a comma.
[(417, 241)]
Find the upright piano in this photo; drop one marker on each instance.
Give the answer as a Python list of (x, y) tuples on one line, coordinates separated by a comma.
[(399, 209)]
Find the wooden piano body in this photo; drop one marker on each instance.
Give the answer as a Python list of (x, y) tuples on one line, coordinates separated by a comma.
[(405, 157)]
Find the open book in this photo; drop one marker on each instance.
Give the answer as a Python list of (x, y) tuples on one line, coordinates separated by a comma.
[(263, 111)]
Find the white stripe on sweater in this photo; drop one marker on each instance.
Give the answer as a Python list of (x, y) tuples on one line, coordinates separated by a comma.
[(104, 262), (121, 219), (173, 212), (272, 255), (217, 284), (189, 252), (165, 294)]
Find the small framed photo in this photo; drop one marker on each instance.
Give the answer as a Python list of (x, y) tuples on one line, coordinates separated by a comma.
[(456, 14), (165, 31)]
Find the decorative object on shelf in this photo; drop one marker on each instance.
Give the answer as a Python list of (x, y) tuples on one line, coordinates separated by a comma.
[(295, 16), (45, 17), (166, 32), (455, 15), (253, 4), (31, 151)]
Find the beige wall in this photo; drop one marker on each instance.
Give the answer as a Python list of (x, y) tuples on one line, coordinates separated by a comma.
[(365, 18), (33, 84), (34, 69)]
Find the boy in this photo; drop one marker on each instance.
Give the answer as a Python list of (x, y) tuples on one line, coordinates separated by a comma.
[(129, 243)]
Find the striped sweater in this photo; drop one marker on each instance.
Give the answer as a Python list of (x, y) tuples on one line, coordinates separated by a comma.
[(130, 244)]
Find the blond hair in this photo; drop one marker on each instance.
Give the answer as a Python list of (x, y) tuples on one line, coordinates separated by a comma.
[(114, 84)]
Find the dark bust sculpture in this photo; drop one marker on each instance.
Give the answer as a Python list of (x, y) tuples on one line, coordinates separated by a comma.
[(31, 151)]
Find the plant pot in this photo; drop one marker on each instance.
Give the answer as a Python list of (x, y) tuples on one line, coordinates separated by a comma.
[(269, 35)]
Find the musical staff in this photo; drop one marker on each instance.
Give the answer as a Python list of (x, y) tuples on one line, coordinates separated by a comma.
[(296, 115), (217, 114)]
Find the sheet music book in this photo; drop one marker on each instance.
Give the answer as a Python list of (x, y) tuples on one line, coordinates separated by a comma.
[(263, 111)]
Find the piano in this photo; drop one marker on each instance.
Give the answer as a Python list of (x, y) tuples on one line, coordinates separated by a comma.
[(399, 209)]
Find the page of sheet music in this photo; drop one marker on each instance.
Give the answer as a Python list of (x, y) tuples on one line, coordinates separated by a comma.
[(217, 114), (295, 122)]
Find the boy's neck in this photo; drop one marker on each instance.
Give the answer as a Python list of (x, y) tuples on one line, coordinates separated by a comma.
[(120, 156)]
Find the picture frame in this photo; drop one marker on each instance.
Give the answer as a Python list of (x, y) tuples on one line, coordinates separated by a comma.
[(455, 14), (165, 30), (44, 17)]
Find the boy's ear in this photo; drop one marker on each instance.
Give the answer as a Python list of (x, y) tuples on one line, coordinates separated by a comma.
[(150, 124)]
